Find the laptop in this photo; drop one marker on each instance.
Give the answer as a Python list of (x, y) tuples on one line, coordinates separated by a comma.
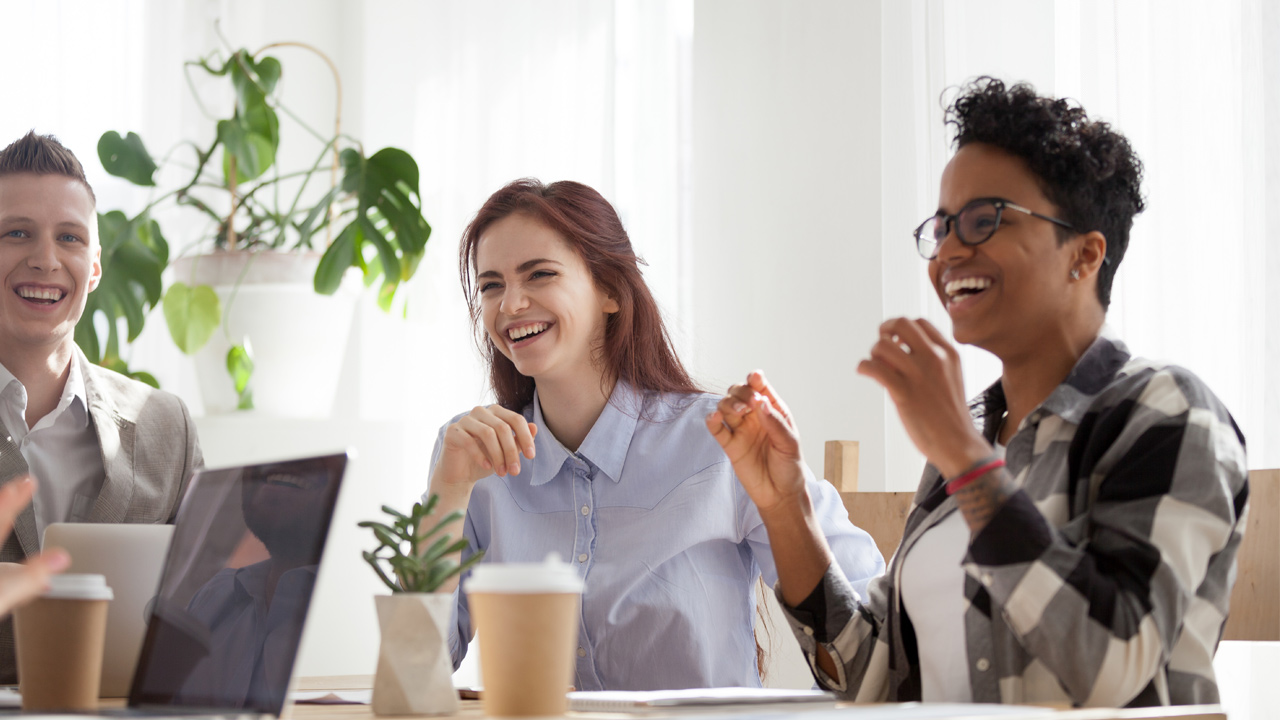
[(227, 621), (131, 558)]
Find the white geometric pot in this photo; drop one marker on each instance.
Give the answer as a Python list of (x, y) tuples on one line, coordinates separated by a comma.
[(415, 671), (298, 337)]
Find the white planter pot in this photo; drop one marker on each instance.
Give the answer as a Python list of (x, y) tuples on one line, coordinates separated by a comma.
[(299, 337), (415, 671)]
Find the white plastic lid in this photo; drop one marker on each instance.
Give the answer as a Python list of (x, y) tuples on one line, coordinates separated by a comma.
[(78, 587), (549, 576)]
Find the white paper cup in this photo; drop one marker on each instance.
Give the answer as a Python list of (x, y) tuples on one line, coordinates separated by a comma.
[(527, 616)]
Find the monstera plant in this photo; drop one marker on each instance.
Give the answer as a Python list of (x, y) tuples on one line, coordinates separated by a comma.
[(369, 216)]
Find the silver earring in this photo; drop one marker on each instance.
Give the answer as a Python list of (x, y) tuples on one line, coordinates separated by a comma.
[(1075, 273)]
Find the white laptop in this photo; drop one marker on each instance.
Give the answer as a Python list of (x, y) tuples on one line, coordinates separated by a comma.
[(225, 627), (131, 557)]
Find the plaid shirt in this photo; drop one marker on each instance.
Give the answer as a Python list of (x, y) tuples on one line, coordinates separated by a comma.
[(1103, 581)]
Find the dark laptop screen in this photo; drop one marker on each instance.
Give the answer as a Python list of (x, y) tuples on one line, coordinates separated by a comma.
[(225, 627)]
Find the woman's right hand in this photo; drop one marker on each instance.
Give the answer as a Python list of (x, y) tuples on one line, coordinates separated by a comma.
[(758, 435), (486, 441)]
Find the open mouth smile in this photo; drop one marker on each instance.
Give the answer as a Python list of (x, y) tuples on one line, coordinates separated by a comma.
[(521, 335), (40, 295), (959, 291)]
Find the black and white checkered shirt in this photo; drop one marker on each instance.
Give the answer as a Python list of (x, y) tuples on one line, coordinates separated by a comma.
[(1103, 581)]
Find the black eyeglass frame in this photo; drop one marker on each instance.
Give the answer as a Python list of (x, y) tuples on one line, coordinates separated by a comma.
[(953, 220)]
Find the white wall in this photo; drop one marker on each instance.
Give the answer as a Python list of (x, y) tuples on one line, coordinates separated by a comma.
[(786, 210)]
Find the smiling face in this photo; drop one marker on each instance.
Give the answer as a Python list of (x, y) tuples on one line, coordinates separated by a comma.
[(539, 304), (49, 260), (1005, 293)]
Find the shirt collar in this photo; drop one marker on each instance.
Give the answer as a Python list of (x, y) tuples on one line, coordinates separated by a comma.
[(73, 390), (605, 446), (6, 378), (1095, 369)]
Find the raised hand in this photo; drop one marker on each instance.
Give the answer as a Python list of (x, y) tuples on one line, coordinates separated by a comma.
[(920, 369), (759, 436), (20, 583), (488, 440)]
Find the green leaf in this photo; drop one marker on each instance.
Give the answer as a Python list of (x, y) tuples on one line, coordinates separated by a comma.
[(393, 513), (373, 563), (145, 377), (336, 259), (309, 224), (240, 367), (389, 216), (253, 152), (253, 80), (127, 157), (386, 294), (454, 516), (134, 255), (192, 313)]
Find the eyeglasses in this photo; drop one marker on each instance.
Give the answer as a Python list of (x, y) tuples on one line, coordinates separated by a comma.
[(975, 224)]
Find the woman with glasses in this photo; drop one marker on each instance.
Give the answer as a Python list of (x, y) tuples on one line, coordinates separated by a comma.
[(1074, 535)]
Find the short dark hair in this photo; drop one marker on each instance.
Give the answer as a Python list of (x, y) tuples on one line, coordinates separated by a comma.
[(1085, 168), (42, 155)]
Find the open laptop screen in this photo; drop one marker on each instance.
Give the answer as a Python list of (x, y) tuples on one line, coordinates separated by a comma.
[(225, 627)]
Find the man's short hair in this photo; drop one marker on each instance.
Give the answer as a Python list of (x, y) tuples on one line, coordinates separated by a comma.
[(1084, 166), (42, 155)]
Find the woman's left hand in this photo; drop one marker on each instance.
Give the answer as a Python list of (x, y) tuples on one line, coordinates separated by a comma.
[(921, 371)]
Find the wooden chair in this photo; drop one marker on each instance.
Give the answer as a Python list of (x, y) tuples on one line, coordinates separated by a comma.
[(882, 514), (1255, 599)]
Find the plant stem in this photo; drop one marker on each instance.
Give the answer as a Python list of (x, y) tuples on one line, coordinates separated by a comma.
[(231, 216), (337, 112)]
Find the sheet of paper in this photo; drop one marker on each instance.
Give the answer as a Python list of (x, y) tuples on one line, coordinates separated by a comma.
[(332, 697)]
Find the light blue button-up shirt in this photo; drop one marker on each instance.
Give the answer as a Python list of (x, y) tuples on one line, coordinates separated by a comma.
[(667, 542)]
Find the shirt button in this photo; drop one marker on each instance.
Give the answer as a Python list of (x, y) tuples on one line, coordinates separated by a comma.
[(982, 665), (808, 631), (582, 557), (582, 652), (586, 510)]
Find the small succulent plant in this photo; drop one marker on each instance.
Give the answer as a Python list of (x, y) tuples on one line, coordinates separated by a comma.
[(420, 561)]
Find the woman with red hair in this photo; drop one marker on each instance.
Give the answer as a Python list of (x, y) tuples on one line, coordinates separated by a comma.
[(596, 450)]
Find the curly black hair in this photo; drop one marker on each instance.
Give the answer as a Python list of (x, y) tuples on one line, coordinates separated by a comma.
[(1085, 168)]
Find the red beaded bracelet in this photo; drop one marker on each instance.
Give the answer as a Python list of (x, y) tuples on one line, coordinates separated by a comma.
[(958, 484)]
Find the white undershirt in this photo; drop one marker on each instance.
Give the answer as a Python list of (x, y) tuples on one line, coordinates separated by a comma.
[(933, 593), (61, 450)]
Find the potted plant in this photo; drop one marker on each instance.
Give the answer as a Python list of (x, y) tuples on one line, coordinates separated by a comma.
[(275, 249), (415, 670)]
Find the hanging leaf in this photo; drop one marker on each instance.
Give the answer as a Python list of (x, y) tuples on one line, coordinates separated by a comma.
[(240, 367), (254, 152), (126, 157), (134, 253), (192, 313), (389, 217)]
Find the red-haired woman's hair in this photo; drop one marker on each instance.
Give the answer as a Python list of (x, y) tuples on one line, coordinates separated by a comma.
[(636, 345)]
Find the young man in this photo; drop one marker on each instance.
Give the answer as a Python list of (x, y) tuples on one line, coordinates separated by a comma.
[(104, 448)]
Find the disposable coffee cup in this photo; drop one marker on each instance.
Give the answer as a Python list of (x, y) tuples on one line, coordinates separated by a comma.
[(527, 617), (59, 644)]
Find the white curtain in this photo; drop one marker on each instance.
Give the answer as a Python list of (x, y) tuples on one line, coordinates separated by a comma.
[(487, 92), (1196, 89)]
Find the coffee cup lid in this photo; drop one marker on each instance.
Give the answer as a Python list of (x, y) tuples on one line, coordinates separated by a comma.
[(549, 576), (78, 587)]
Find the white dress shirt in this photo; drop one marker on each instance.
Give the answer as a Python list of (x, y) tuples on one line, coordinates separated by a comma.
[(61, 450)]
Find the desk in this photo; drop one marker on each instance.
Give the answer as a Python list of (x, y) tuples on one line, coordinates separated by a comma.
[(471, 708)]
